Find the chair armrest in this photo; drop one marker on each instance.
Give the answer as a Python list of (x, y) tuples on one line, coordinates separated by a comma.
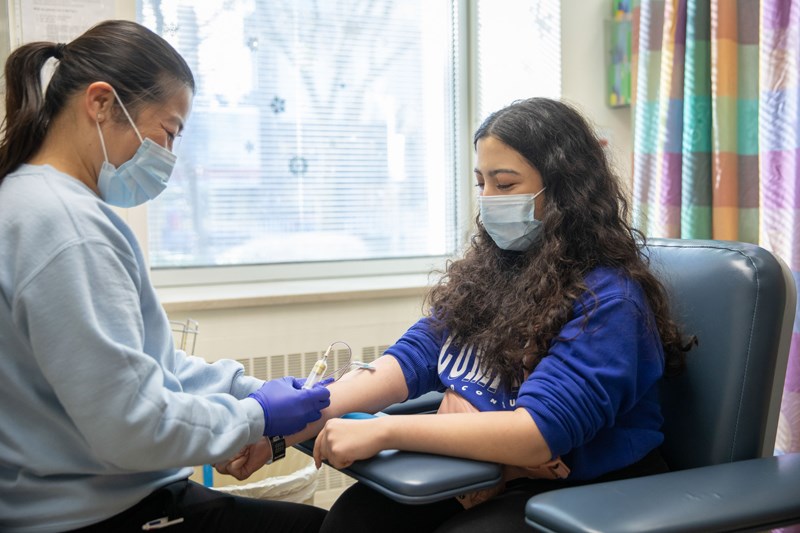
[(427, 403), (740, 496), (417, 478)]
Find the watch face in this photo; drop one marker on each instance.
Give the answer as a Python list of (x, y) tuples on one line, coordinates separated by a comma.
[(278, 448)]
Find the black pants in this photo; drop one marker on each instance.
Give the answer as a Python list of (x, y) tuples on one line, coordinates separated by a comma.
[(360, 508), (207, 510)]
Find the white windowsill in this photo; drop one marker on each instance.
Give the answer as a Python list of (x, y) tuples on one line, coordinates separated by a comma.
[(256, 294)]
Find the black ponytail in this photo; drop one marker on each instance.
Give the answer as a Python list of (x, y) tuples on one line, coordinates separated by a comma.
[(26, 116)]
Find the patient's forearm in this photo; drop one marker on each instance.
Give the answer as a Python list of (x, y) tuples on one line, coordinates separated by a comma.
[(360, 390), (508, 437)]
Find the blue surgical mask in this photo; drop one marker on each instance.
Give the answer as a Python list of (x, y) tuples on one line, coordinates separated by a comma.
[(509, 220), (141, 178)]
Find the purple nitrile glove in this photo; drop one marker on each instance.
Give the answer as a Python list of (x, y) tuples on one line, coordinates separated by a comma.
[(288, 407)]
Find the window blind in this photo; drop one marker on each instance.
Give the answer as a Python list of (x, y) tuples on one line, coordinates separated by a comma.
[(320, 131)]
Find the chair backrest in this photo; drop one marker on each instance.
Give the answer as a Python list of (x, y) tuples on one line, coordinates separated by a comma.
[(739, 300)]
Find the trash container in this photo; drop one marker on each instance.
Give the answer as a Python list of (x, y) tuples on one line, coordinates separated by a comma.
[(292, 479)]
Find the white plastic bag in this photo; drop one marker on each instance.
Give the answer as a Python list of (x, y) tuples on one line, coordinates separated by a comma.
[(298, 486)]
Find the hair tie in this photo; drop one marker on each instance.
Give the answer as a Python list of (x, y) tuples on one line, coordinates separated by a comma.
[(58, 53)]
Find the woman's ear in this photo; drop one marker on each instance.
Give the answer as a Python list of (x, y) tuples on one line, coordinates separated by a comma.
[(98, 99)]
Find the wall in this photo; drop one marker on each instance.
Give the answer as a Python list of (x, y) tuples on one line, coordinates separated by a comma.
[(583, 75), (269, 330)]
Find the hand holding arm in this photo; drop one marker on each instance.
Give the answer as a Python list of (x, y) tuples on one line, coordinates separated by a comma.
[(360, 390), (288, 407)]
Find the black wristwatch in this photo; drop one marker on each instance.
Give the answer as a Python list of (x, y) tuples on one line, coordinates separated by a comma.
[(278, 444)]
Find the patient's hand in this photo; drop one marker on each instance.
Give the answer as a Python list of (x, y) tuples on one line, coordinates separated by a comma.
[(343, 442), (248, 460)]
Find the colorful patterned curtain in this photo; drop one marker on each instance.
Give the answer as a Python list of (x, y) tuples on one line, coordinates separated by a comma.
[(715, 143), (778, 128), (696, 118)]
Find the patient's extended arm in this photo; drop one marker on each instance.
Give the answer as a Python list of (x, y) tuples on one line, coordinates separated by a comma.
[(507, 437), (358, 390)]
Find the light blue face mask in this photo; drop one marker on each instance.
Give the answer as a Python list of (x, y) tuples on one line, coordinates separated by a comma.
[(509, 220), (141, 178)]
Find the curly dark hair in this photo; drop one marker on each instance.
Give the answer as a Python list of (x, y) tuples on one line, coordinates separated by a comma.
[(512, 304)]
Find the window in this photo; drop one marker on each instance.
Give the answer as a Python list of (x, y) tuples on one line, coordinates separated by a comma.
[(335, 131)]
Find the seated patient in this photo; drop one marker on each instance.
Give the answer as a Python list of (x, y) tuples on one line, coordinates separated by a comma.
[(549, 336)]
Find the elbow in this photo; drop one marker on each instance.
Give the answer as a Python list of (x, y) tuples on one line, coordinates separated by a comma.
[(533, 449)]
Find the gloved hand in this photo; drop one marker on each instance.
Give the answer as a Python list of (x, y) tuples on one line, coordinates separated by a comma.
[(288, 407)]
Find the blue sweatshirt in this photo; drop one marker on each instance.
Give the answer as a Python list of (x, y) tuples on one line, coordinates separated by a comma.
[(97, 407), (594, 396)]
